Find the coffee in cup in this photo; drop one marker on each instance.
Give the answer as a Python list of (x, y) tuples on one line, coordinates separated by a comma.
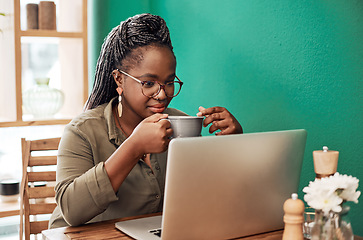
[(186, 126)]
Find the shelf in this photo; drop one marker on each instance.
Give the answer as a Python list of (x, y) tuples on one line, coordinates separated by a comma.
[(35, 123), (60, 55), (49, 33), (9, 208)]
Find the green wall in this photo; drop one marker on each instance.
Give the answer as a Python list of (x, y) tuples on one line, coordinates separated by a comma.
[(276, 65), (103, 15)]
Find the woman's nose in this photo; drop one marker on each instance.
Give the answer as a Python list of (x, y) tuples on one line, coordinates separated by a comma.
[(162, 94)]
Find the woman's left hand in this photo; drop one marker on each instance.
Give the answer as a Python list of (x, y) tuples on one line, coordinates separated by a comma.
[(221, 119)]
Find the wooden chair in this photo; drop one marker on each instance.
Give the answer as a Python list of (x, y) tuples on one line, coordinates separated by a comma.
[(39, 166)]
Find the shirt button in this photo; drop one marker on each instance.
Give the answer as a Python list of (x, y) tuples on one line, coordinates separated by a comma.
[(157, 168), (157, 196)]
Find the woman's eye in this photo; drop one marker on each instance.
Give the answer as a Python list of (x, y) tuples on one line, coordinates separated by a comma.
[(170, 84), (149, 84)]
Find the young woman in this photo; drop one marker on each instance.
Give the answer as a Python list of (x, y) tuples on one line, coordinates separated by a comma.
[(112, 158)]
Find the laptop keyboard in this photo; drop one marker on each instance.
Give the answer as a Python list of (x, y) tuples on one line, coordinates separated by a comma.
[(156, 232)]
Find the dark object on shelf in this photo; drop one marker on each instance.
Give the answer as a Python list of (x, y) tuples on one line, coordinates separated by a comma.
[(9, 190), (32, 16), (37, 184), (47, 15)]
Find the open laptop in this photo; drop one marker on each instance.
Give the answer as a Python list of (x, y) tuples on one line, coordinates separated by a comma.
[(223, 187)]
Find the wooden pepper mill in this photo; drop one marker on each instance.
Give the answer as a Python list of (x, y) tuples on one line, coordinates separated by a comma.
[(293, 218), (325, 162)]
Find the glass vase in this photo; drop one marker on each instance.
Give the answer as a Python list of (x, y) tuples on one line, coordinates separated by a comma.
[(332, 226), (41, 100)]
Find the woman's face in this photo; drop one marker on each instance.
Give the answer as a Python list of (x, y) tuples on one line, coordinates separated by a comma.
[(158, 64)]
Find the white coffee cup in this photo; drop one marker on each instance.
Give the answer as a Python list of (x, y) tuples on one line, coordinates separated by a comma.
[(186, 126)]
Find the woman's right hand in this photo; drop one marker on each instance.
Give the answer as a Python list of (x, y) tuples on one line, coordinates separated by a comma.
[(152, 135)]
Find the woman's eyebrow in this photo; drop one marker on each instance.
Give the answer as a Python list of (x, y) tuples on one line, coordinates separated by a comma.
[(150, 75)]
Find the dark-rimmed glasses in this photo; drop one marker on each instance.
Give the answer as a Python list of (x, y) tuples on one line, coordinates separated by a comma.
[(152, 88)]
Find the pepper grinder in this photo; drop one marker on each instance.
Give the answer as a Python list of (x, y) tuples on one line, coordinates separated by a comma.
[(293, 218), (325, 162)]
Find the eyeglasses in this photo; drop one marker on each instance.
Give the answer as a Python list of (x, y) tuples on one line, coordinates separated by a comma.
[(152, 88)]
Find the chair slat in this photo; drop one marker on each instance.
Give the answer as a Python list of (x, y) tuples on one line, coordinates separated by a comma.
[(33, 155), (41, 176), (44, 144), (42, 161), (42, 208), (41, 192), (38, 226)]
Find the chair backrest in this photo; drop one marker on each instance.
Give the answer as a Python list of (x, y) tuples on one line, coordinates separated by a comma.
[(37, 193)]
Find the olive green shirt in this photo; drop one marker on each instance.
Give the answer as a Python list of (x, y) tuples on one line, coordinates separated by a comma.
[(83, 190)]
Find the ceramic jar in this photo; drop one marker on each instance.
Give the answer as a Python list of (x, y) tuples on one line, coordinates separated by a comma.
[(41, 100)]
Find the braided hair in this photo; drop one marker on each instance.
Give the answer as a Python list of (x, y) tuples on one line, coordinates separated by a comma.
[(120, 49)]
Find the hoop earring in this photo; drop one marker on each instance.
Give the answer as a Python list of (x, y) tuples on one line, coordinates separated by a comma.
[(119, 106)]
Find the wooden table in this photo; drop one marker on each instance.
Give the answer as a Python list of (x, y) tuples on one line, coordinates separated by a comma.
[(107, 230)]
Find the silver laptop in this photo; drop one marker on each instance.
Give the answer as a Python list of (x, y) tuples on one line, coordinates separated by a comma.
[(223, 187)]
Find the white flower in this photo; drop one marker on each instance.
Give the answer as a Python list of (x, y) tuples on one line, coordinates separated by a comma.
[(346, 187), (327, 194), (324, 201)]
